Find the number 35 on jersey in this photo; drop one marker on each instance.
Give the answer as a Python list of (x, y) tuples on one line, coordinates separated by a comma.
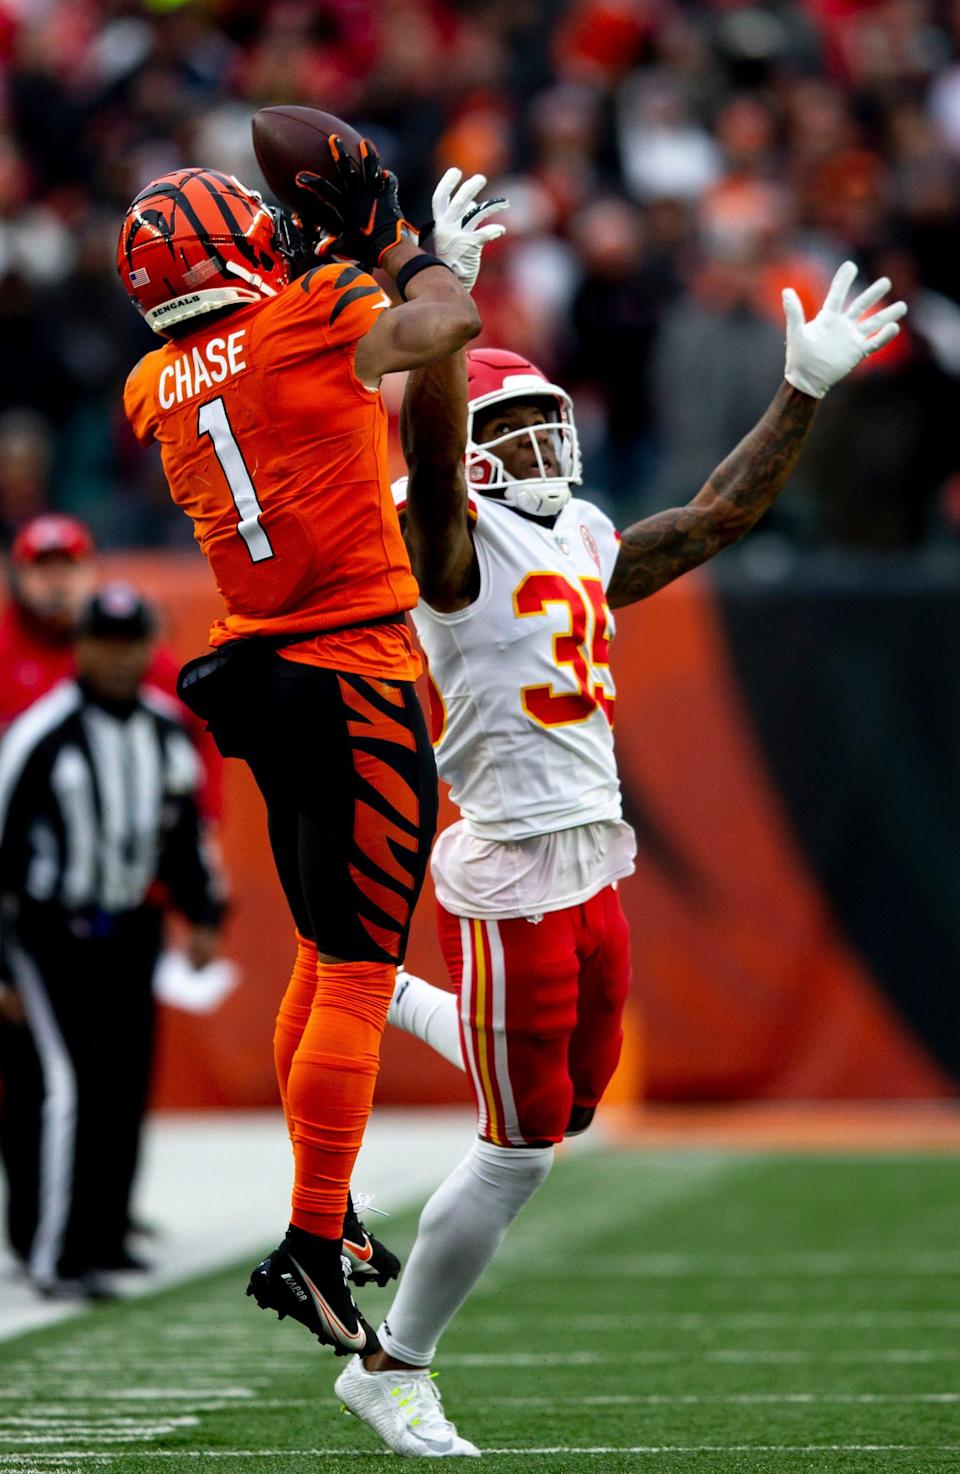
[(523, 698), (582, 652)]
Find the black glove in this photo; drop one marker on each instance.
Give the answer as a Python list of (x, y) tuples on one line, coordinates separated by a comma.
[(357, 214)]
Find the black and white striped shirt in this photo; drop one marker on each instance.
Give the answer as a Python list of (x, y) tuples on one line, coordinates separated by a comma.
[(96, 807)]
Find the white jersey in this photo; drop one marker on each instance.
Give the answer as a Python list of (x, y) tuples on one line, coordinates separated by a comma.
[(522, 692)]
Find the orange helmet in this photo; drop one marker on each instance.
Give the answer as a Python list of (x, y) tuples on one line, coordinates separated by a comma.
[(197, 240)]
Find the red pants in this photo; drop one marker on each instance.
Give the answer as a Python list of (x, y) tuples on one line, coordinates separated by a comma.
[(541, 1007)]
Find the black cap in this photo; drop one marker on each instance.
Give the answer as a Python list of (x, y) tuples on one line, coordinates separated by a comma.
[(117, 612)]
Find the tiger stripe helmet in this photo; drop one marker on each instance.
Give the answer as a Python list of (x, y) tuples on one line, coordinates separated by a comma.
[(197, 240)]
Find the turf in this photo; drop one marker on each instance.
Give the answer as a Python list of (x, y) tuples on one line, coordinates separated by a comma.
[(688, 1313)]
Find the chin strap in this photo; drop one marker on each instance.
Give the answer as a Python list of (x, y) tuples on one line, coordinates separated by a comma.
[(257, 282), (541, 498)]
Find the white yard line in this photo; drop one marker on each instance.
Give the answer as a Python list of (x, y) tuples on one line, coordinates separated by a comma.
[(241, 1364), (553, 1268), (281, 1359), (651, 1357), (224, 1396), (733, 1399), (817, 1265), (69, 1413), (520, 1452), (750, 1320), (216, 1186)]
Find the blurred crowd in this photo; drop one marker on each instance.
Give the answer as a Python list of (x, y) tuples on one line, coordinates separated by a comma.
[(670, 164)]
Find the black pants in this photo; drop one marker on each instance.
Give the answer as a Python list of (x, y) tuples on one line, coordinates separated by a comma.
[(75, 1082), (347, 772)]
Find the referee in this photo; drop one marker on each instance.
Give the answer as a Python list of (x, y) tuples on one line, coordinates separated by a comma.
[(99, 831)]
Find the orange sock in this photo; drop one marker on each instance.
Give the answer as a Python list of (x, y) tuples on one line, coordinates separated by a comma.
[(293, 1015), (330, 1087)]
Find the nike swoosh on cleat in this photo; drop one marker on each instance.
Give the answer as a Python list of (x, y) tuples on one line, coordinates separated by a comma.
[(434, 1443), (356, 1340), (362, 1252)]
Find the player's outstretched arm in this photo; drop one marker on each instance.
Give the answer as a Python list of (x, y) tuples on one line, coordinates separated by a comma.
[(659, 549), (433, 431), (433, 418), (437, 317)]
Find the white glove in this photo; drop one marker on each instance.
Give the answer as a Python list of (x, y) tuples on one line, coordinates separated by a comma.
[(457, 232), (824, 350)]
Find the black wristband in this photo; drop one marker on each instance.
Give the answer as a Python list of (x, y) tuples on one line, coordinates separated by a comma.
[(413, 267)]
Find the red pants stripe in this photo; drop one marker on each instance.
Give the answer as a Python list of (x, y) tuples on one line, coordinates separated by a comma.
[(541, 1009)]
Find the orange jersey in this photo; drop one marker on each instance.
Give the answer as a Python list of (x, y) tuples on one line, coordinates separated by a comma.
[(278, 453)]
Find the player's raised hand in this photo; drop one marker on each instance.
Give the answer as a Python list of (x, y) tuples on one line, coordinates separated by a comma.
[(824, 350), (357, 212), (459, 231)]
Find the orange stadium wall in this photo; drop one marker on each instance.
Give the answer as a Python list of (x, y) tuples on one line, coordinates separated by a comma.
[(748, 982)]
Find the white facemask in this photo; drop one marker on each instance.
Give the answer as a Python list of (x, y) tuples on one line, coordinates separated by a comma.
[(540, 495)]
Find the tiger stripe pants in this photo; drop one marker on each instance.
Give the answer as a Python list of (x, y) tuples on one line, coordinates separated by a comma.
[(346, 769)]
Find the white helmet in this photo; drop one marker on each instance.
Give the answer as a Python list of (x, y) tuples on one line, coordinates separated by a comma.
[(497, 377)]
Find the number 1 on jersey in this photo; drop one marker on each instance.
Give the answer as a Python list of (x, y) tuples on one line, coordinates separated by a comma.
[(212, 420)]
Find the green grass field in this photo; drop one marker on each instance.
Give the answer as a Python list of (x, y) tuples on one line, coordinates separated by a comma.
[(689, 1313)]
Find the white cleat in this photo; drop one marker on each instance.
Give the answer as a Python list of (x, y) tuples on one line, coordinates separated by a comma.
[(404, 1408)]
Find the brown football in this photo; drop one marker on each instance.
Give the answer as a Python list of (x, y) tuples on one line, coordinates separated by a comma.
[(288, 139)]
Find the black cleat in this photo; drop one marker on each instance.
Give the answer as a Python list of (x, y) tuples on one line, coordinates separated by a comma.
[(318, 1297), (371, 1262), (580, 1118)]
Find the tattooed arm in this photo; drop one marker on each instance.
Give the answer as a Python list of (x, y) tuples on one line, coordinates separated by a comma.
[(660, 548), (819, 354)]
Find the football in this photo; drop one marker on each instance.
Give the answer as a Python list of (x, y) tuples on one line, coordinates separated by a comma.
[(288, 139)]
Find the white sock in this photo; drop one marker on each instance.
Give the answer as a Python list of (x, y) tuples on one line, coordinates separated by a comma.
[(461, 1229), (430, 1013)]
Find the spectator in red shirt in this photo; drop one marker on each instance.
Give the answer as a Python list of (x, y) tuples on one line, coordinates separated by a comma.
[(51, 576)]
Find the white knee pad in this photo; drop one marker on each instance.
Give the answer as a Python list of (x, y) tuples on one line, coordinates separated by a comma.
[(513, 1173), (493, 1182)]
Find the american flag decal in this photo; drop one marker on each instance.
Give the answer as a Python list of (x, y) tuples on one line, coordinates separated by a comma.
[(139, 278)]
